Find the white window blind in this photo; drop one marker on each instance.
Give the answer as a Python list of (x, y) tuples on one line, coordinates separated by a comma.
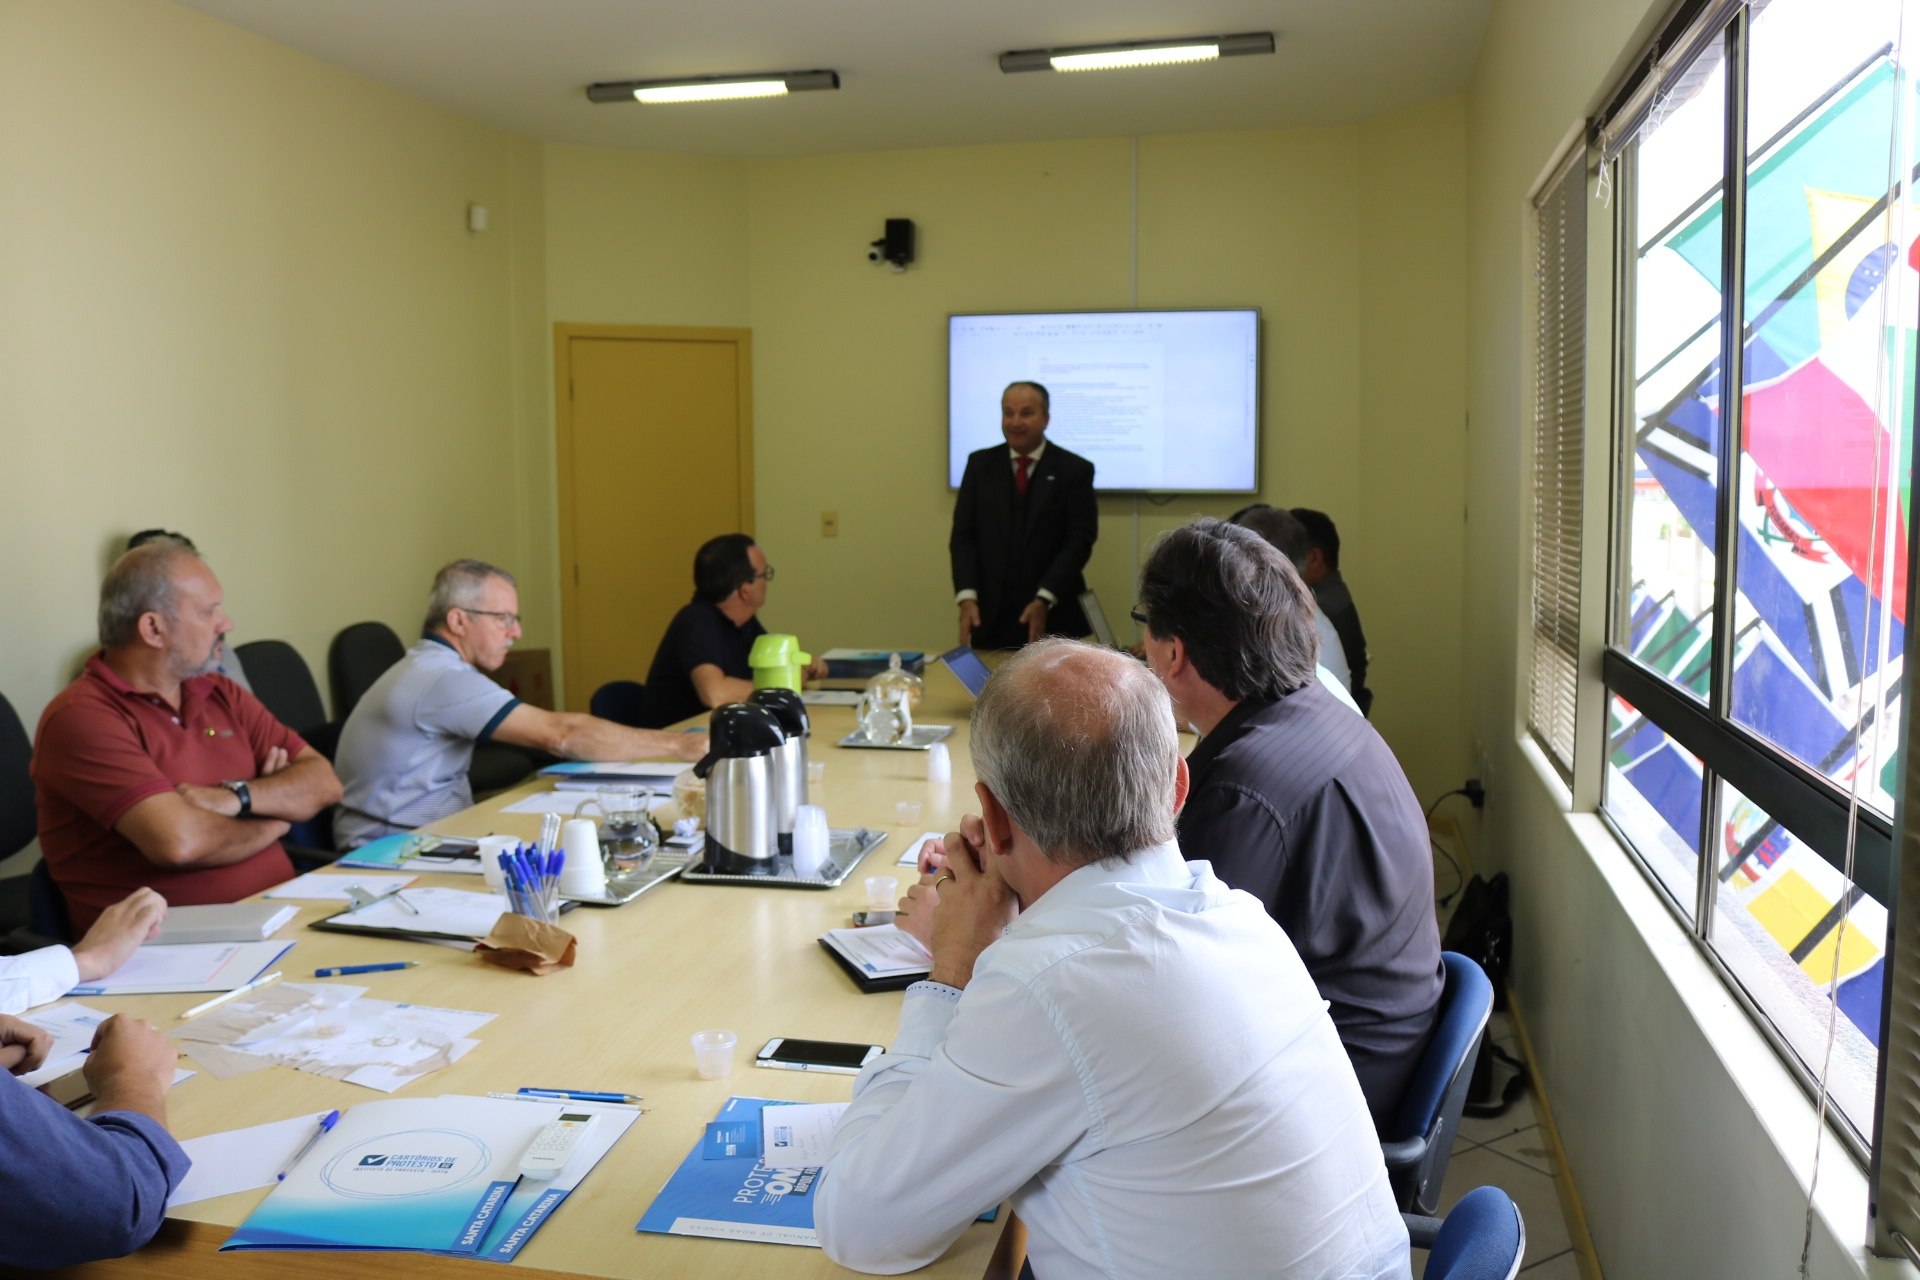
[(1559, 405)]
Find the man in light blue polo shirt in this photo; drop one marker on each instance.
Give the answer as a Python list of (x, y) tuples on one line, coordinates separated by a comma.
[(405, 750)]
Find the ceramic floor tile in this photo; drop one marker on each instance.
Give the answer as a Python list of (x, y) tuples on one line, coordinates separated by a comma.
[(1562, 1266), (1530, 1189), (1520, 1115), (1529, 1146)]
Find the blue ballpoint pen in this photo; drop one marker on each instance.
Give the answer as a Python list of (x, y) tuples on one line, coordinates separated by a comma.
[(511, 870), (327, 1122), (583, 1095), (340, 970)]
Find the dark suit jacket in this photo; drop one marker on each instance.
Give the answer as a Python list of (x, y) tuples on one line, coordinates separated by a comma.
[(1008, 562)]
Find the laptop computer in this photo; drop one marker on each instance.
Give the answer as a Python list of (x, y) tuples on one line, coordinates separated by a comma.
[(1097, 619), (966, 664)]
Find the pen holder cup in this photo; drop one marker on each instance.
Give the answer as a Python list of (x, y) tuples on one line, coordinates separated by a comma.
[(518, 942)]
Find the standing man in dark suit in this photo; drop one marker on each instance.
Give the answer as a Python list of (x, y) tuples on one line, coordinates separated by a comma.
[(1023, 529)]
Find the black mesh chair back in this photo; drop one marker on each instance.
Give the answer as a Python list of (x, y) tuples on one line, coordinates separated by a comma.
[(358, 656), (18, 818), (621, 701), (282, 680)]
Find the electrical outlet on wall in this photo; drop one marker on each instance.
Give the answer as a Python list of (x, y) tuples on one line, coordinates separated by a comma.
[(829, 524)]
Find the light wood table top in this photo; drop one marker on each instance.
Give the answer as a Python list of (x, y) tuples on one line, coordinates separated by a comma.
[(680, 958)]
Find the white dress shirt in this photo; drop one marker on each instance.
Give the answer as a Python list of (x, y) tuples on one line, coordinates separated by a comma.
[(1332, 656), (36, 977), (1143, 1065)]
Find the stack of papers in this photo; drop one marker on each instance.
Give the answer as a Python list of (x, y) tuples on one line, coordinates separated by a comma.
[(425, 913), (586, 775), (746, 1195), (911, 858), (415, 851), (431, 1175), (384, 1046), (564, 802), (72, 1027), (223, 922), (321, 886), (194, 966)]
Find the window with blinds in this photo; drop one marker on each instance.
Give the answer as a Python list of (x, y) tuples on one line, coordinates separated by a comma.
[(1559, 402)]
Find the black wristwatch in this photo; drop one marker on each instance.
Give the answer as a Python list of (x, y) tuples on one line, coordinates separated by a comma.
[(246, 797)]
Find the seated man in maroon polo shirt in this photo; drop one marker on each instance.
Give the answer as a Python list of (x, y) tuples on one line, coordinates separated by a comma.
[(152, 768)]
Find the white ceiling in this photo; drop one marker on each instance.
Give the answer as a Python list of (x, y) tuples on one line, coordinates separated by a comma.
[(914, 73)]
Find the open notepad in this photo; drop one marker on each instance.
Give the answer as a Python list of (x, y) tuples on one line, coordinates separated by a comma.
[(879, 959)]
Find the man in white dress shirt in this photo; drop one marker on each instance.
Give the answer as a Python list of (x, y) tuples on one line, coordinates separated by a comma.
[(1112, 1038), (48, 973)]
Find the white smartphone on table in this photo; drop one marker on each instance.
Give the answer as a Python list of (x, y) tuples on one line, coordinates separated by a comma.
[(784, 1053)]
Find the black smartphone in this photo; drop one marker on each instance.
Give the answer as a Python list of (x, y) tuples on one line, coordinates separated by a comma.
[(867, 919)]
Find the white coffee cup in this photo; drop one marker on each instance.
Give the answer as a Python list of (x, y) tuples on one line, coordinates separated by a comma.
[(491, 847), (582, 875), (810, 840)]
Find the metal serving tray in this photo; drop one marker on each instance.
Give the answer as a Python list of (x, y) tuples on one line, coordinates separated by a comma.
[(624, 887), (918, 738), (844, 850)]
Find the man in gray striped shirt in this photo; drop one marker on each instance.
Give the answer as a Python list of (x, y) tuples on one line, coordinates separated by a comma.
[(405, 750)]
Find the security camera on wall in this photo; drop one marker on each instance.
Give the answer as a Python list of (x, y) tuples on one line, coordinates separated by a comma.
[(895, 248)]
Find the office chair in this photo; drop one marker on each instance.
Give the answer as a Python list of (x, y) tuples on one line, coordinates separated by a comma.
[(621, 701), (1482, 1238), (284, 683), (1421, 1139), (47, 908), (19, 819), (358, 656), (21, 897), (285, 686)]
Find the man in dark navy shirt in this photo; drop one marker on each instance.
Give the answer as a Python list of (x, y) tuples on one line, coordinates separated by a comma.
[(1295, 798), (702, 659), (74, 1190)]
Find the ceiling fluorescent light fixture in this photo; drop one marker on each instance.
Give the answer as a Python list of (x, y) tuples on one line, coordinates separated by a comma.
[(1137, 53), (766, 84)]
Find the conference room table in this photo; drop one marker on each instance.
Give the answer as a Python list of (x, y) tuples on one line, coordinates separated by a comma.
[(678, 959)]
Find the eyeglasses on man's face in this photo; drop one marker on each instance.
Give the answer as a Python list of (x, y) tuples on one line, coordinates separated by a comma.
[(1137, 616), (765, 575), (506, 619)]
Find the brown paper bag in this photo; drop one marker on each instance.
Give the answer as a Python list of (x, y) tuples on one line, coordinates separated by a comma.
[(518, 942)]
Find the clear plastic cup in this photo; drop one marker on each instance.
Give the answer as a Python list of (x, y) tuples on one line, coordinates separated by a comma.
[(907, 813), (816, 773), (883, 893), (713, 1053), (331, 1018)]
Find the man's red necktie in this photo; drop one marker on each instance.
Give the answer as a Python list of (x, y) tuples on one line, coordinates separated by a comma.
[(1021, 466)]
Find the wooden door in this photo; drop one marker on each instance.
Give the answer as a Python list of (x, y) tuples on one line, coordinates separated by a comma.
[(655, 457)]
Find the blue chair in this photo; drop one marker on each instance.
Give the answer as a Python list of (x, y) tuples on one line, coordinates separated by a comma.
[(1482, 1238), (621, 701), (1417, 1146)]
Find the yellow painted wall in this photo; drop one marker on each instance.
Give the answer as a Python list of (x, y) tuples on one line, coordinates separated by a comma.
[(249, 293), (238, 298), (639, 238), (1360, 279)]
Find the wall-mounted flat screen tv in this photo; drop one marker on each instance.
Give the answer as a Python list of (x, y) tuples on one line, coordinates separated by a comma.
[(1161, 401)]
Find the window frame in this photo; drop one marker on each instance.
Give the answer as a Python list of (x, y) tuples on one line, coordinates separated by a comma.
[(1816, 811)]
